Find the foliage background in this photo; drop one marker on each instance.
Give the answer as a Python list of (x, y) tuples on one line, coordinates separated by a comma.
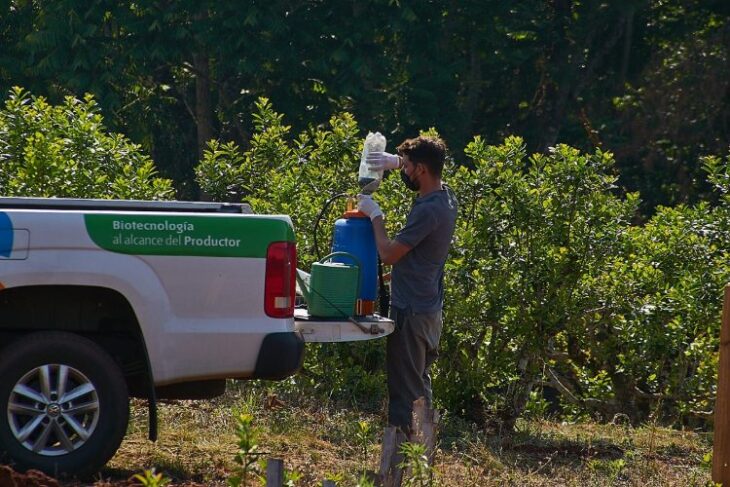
[(550, 283), (648, 80), (591, 251)]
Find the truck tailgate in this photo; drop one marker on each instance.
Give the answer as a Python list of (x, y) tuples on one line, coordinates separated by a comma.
[(331, 330)]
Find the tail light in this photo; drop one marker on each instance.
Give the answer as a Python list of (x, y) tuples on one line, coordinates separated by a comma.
[(279, 291)]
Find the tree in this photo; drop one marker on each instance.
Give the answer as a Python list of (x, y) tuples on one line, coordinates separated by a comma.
[(530, 231), (619, 76)]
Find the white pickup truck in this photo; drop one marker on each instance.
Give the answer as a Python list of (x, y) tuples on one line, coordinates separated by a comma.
[(101, 300)]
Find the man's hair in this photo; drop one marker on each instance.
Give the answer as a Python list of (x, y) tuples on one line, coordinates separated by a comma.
[(429, 151)]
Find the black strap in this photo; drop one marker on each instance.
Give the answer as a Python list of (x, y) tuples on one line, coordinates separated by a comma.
[(384, 305)]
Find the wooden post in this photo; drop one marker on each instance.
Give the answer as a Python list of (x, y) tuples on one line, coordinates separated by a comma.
[(424, 422), (721, 443), (390, 474), (274, 472)]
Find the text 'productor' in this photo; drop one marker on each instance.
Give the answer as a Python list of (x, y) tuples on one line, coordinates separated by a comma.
[(211, 241)]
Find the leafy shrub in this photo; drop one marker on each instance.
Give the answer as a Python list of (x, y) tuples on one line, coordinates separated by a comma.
[(151, 479), (417, 472), (550, 281), (65, 151), (531, 229), (248, 453)]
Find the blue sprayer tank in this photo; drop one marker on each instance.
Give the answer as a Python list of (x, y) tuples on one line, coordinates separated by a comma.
[(353, 233)]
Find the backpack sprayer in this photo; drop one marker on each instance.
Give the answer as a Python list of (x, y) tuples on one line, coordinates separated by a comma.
[(348, 281)]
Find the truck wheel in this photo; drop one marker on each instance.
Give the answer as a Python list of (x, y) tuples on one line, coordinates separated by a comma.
[(64, 405)]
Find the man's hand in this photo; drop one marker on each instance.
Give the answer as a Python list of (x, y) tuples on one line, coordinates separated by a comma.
[(379, 161), (367, 205)]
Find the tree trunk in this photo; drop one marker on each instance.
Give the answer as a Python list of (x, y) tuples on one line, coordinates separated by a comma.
[(226, 103), (203, 108), (473, 86), (628, 39), (557, 90), (576, 74), (518, 394)]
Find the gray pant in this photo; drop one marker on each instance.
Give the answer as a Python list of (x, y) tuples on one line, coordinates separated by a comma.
[(411, 349)]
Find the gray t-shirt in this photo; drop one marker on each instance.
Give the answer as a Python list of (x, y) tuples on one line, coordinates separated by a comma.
[(417, 279)]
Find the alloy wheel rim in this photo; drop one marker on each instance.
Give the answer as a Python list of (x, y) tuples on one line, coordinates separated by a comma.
[(53, 410)]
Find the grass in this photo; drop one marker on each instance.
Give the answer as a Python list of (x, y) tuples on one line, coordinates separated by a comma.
[(198, 443)]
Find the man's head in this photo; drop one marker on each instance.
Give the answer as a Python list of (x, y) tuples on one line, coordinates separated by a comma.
[(429, 152)]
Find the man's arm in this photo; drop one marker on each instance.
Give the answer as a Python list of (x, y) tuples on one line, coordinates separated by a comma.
[(391, 251)]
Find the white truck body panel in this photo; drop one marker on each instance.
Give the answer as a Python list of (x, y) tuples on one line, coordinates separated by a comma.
[(201, 317)]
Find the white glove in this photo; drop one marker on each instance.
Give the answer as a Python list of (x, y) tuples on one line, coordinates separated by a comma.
[(379, 161), (367, 205)]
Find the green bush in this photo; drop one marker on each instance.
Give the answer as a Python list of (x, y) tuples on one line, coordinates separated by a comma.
[(530, 230), (66, 151), (550, 282)]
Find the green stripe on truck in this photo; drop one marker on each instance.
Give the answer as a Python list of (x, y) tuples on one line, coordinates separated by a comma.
[(207, 236)]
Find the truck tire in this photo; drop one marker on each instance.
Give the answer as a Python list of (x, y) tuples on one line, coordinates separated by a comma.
[(64, 405)]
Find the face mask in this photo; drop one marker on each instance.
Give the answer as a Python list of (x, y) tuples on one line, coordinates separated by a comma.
[(410, 184)]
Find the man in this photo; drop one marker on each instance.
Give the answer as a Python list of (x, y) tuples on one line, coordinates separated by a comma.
[(418, 254)]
